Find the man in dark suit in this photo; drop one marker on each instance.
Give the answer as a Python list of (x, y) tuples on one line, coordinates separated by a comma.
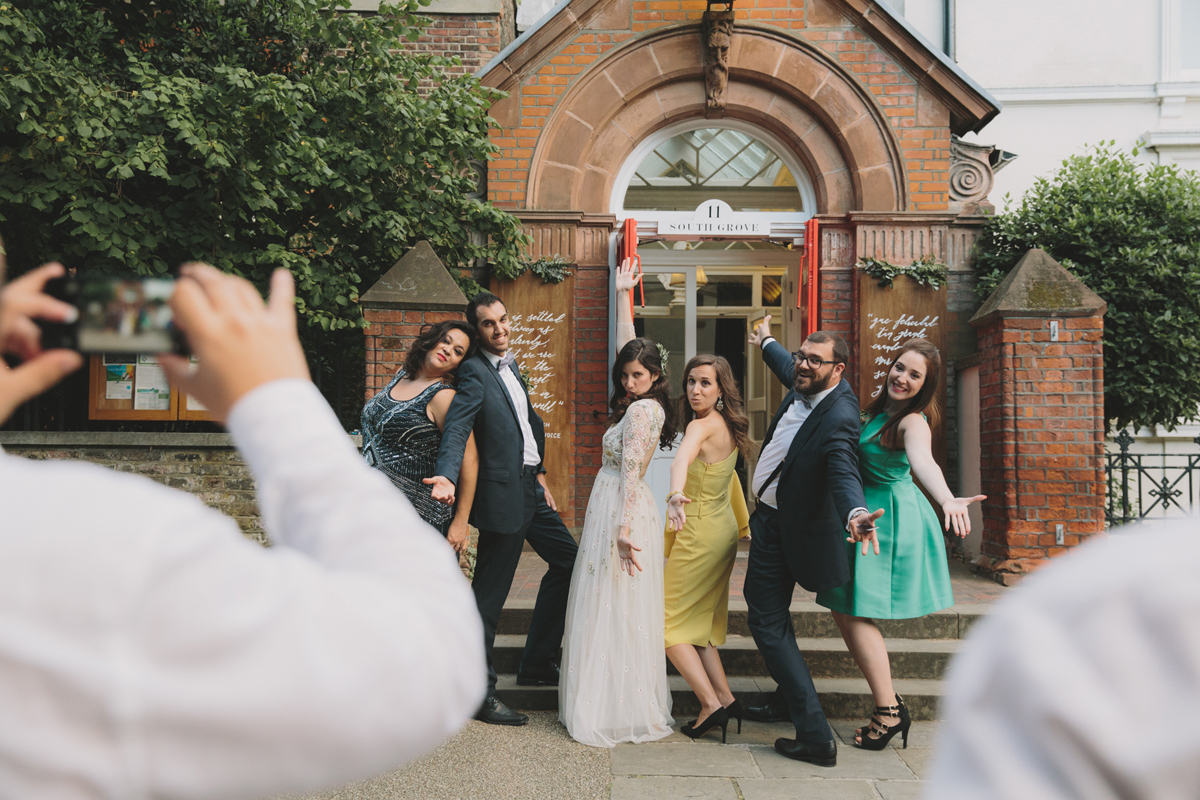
[(512, 503), (809, 496)]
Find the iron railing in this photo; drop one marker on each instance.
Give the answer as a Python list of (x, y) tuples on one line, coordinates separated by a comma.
[(1144, 485)]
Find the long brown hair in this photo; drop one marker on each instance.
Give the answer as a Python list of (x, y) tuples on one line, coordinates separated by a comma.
[(646, 353), (733, 412), (924, 400)]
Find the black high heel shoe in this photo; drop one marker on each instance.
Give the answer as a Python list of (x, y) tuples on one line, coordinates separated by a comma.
[(718, 717), (734, 710), (885, 732)]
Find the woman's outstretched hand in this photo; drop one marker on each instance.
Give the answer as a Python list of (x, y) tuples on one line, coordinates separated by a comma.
[(628, 551), (955, 511), (675, 513), (627, 276)]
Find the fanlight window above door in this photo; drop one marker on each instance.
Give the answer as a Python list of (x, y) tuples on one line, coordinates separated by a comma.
[(713, 163)]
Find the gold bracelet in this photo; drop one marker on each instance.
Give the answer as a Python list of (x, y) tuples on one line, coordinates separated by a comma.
[(672, 494)]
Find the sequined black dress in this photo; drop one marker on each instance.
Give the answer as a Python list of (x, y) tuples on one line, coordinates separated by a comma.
[(400, 441)]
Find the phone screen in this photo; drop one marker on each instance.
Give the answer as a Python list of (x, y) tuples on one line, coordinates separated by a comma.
[(118, 314)]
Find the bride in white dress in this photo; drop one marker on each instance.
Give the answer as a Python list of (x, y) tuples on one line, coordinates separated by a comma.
[(614, 678)]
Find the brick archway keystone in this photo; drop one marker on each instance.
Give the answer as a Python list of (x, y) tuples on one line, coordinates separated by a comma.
[(789, 87)]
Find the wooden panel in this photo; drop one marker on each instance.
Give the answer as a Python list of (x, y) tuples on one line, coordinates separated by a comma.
[(100, 407), (541, 338), (887, 318)]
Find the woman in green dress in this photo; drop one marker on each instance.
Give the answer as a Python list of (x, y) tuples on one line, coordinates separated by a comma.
[(907, 575)]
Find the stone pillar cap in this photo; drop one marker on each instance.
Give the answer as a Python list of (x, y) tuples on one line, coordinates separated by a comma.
[(1038, 286), (417, 282)]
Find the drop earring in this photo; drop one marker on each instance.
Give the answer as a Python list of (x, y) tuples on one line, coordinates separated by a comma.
[(721, 402)]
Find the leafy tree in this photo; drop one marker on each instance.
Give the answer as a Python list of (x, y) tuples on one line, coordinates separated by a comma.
[(1131, 233), (253, 134)]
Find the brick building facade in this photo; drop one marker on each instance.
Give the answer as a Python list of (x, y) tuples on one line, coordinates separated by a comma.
[(863, 112)]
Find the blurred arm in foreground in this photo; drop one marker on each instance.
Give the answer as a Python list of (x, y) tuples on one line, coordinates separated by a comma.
[(147, 648), (1082, 681)]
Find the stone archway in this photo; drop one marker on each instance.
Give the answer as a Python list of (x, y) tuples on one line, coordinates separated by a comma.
[(786, 86)]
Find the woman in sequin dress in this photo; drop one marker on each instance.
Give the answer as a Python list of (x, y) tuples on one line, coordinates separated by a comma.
[(614, 678), (402, 427)]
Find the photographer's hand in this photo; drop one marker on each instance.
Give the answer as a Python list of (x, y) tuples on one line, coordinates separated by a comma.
[(21, 302), (240, 342)]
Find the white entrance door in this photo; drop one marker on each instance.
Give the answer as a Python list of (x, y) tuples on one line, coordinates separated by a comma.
[(709, 306)]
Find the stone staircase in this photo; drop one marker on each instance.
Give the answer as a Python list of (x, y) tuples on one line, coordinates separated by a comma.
[(920, 650)]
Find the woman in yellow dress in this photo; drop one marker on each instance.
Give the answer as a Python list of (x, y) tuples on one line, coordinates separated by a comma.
[(701, 541)]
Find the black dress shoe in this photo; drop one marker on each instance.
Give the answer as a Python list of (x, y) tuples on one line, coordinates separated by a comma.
[(774, 710), (823, 755), (494, 712), (545, 675)]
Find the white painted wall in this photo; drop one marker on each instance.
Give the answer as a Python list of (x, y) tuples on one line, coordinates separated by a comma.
[(1071, 73), (1024, 43)]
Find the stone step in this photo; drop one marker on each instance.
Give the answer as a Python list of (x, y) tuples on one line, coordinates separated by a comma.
[(923, 659), (810, 620), (841, 698)]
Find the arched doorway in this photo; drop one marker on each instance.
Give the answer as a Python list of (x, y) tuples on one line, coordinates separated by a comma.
[(706, 287)]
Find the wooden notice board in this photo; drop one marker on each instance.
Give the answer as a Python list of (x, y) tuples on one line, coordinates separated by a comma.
[(541, 338), (888, 317), (116, 380)]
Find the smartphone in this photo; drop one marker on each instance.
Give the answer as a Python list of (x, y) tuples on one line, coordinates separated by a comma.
[(117, 314)]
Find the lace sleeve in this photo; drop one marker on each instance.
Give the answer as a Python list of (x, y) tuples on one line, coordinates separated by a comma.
[(643, 423)]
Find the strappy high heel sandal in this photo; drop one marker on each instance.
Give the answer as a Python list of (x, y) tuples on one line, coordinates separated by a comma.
[(885, 731), (734, 710), (719, 717), (888, 711)]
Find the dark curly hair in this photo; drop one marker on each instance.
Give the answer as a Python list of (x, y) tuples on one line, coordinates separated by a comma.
[(646, 353), (428, 339), (734, 413)]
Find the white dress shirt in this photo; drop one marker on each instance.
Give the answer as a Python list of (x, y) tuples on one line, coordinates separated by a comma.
[(781, 441), (521, 404), (1084, 681), (148, 649)]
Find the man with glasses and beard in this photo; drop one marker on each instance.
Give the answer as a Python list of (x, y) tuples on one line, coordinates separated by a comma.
[(810, 495)]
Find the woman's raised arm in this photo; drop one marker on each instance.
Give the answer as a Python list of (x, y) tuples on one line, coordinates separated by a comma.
[(627, 278)]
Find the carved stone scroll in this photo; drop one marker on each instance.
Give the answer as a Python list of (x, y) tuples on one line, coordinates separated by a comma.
[(717, 30), (971, 177)]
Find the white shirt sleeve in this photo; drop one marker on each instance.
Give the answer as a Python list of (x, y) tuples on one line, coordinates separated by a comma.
[(178, 659), (1082, 681)]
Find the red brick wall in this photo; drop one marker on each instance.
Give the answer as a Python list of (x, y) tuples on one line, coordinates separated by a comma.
[(591, 387), (474, 38), (1042, 437), (389, 335), (921, 124)]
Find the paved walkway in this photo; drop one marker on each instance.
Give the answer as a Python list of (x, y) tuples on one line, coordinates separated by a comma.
[(540, 761), (486, 762)]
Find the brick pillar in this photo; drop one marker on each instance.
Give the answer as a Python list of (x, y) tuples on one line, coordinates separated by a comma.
[(416, 291), (592, 364), (1041, 400)]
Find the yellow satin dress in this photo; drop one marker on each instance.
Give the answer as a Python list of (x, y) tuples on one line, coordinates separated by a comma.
[(700, 557)]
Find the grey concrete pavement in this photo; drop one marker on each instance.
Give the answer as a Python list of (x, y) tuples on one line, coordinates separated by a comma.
[(486, 762)]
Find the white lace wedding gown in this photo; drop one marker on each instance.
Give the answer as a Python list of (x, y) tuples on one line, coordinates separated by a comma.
[(614, 678)]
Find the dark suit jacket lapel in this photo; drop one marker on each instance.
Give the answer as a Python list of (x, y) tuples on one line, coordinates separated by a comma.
[(495, 373), (812, 424)]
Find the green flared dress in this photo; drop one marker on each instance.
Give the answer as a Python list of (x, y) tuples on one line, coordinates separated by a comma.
[(910, 577)]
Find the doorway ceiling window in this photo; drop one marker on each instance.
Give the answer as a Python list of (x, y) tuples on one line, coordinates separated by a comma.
[(702, 164)]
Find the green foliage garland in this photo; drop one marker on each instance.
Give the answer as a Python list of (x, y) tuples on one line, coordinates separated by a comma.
[(926, 270), (550, 270), (252, 134), (1131, 233)]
